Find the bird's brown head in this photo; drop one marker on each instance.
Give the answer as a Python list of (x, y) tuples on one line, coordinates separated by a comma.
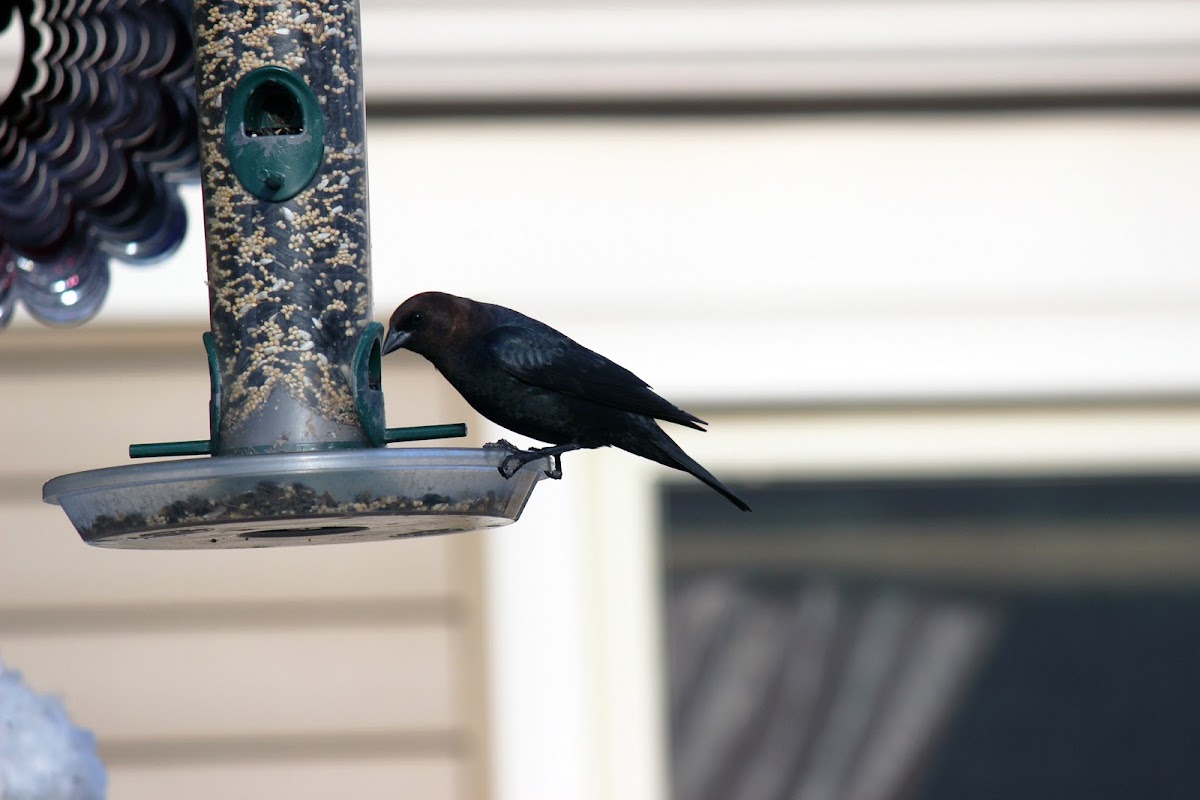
[(425, 322)]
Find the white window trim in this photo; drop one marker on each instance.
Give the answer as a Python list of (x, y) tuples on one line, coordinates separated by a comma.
[(585, 49), (581, 50)]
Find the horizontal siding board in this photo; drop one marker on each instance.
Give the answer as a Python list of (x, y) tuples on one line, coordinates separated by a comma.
[(58, 421), (43, 562), (425, 777), (281, 747), (247, 682)]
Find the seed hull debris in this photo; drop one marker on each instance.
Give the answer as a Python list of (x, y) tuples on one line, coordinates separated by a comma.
[(283, 501)]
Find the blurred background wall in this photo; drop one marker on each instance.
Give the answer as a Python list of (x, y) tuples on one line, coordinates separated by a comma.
[(928, 268)]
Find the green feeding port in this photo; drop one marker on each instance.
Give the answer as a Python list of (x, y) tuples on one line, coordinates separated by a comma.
[(367, 384), (274, 133), (273, 110)]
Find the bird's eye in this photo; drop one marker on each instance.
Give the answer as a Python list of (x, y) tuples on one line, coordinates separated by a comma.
[(415, 319)]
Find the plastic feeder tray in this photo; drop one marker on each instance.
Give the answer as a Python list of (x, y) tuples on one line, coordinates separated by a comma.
[(293, 498)]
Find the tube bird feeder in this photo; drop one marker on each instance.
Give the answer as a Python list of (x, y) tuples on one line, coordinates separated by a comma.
[(296, 425)]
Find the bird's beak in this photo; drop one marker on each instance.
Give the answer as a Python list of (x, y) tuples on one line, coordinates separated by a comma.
[(395, 340)]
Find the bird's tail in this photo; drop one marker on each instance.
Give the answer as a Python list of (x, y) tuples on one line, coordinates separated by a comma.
[(660, 447)]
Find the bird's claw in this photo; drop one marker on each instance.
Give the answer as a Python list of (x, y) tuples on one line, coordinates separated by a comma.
[(505, 470), (514, 458), (554, 471)]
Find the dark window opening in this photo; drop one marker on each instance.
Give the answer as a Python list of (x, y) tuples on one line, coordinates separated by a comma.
[(936, 639)]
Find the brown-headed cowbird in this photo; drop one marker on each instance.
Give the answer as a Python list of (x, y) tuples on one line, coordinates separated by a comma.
[(529, 378)]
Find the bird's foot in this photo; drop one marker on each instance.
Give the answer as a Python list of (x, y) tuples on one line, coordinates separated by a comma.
[(514, 461), (515, 458), (554, 454)]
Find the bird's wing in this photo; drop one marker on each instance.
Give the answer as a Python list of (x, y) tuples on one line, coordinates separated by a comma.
[(545, 358)]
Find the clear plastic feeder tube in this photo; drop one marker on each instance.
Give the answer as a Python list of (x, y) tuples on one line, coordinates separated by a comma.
[(283, 169)]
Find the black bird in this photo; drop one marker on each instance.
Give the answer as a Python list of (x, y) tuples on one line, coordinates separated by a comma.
[(529, 378)]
